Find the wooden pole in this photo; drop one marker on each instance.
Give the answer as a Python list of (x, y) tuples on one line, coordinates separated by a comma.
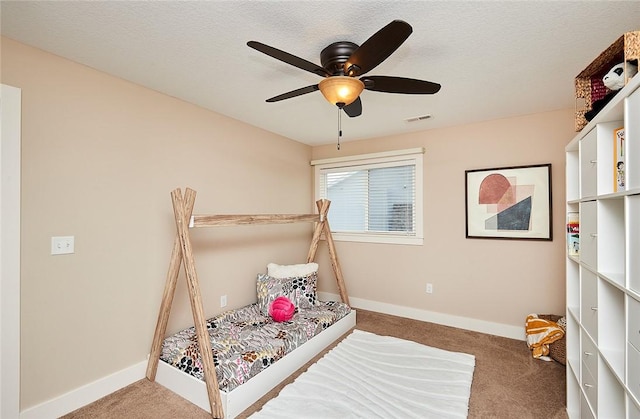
[(323, 208), (335, 264), (234, 220), (323, 227), (167, 297), (195, 297)]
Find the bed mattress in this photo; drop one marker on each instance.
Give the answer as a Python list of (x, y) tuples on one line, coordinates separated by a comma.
[(245, 342)]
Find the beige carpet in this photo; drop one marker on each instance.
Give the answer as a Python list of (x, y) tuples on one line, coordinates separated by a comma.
[(507, 381)]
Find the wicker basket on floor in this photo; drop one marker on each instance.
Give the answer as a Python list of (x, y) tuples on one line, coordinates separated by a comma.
[(557, 349)]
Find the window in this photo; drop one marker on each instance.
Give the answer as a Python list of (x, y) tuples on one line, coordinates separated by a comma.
[(374, 197)]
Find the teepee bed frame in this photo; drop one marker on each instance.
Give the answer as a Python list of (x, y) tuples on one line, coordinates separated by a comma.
[(206, 394)]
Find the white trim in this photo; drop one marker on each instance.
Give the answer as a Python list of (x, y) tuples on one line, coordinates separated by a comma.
[(10, 125), (373, 238), (475, 325), (86, 394), (413, 156), (383, 154)]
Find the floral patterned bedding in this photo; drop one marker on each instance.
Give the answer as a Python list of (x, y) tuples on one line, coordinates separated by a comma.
[(245, 342)]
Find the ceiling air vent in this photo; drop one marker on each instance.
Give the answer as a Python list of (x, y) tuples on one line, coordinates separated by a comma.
[(418, 118)]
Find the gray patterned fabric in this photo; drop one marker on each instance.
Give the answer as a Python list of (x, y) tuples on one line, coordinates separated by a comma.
[(300, 290), (245, 341)]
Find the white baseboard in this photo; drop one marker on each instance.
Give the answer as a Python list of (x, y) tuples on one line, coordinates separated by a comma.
[(482, 326), (86, 394)]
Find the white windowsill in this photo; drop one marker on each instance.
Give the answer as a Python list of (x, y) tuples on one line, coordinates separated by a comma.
[(371, 238)]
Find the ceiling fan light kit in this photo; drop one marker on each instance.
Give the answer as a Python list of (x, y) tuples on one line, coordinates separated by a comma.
[(341, 90)]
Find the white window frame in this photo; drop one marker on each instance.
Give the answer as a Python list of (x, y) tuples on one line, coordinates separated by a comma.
[(413, 156)]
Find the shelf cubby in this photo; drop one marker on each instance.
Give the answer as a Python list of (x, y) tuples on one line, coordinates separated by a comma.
[(633, 409), (605, 156), (573, 396), (572, 186), (611, 394), (589, 302), (611, 326), (589, 234), (632, 140), (573, 347), (633, 323), (611, 239), (632, 217), (573, 288), (588, 151), (633, 371)]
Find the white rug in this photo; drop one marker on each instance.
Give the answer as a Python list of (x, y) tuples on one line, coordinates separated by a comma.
[(371, 376)]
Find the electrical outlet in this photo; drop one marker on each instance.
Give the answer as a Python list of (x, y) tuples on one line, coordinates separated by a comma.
[(223, 301), (429, 288), (62, 245)]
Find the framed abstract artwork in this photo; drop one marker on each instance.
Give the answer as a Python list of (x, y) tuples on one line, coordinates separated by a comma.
[(509, 203)]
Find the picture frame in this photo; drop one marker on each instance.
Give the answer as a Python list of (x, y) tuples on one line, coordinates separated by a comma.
[(509, 203)]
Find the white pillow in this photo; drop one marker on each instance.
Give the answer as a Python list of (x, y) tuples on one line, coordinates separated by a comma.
[(291, 271)]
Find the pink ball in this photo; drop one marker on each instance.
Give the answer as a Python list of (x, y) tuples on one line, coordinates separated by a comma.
[(281, 309)]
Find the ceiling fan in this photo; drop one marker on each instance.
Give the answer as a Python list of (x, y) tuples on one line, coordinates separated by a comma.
[(342, 62)]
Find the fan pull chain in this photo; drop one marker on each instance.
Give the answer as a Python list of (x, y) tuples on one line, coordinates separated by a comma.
[(339, 126)]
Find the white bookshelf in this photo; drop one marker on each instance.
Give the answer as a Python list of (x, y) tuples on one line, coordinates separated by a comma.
[(603, 282)]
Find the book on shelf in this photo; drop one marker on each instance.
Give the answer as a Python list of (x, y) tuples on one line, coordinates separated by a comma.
[(573, 234), (618, 159)]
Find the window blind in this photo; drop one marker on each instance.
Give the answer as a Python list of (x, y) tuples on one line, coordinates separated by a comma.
[(373, 198)]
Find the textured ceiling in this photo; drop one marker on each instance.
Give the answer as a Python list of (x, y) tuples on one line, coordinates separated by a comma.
[(494, 59)]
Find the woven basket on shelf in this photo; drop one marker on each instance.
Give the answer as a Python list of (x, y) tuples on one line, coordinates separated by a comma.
[(557, 349), (589, 85)]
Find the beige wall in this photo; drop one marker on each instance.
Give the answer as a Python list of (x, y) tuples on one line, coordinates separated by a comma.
[(498, 281), (99, 158)]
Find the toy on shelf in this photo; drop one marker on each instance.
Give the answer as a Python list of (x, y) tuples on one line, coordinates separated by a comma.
[(618, 159), (614, 80)]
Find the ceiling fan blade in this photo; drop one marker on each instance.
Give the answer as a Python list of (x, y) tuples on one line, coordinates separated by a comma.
[(289, 58), (377, 48), (354, 108), (390, 84), (294, 93)]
